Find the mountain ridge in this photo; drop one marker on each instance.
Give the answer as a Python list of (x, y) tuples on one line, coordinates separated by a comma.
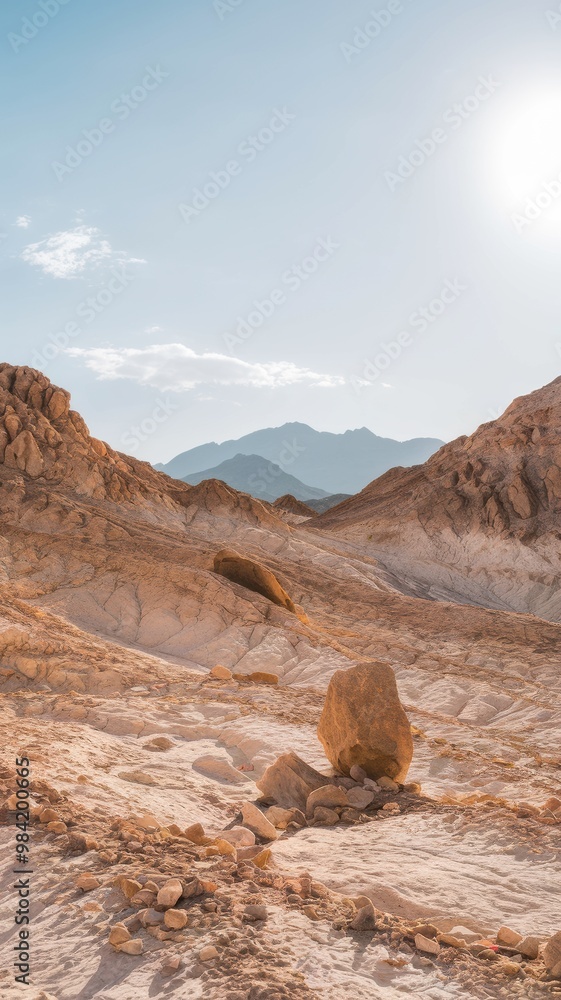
[(334, 463)]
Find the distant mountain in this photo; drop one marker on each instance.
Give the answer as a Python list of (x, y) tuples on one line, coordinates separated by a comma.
[(321, 506), (338, 463), (257, 476), (291, 505)]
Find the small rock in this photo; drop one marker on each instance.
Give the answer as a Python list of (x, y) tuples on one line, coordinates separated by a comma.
[(310, 912), (196, 834), (365, 918), (372, 785), (118, 935), (48, 816), (239, 836), (388, 784), (143, 898), (553, 804), (176, 920), (509, 968), (223, 847), (360, 798), (325, 817), (220, 673), (208, 953), (151, 918), (413, 787), (350, 816), (260, 677), (280, 818), (137, 777), (159, 743), (508, 937), (148, 823), (552, 955), (57, 826), (358, 773), (529, 947), (288, 782), (170, 894), (328, 796), (171, 965), (130, 887), (392, 808), (450, 941), (255, 911), (428, 945), (254, 820), (427, 930), (87, 883), (134, 947)]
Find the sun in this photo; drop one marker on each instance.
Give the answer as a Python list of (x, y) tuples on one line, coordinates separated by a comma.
[(528, 146)]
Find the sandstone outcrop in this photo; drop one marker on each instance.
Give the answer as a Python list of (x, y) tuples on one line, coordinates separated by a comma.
[(254, 576), (363, 723)]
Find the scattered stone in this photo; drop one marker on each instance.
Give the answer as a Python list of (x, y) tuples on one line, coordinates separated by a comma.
[(413, 787), (552, 955), (148, 823), (281, 818), (428, 945), (358, 773), (373, 786), (118, 935), (208, 953), (257, 822), (221, 846), (350, 816), (151, 917), (451, 941), (255, 911), (57, 826), (365, 918), (171, 965), (360, 798), (196, 834), (48, 816), (130, 887), (289, 781), (325, 817), (176, 920), (388, 784), (134, 947), (363, 722), (159, 743), (144, 898), (509, 968), (529, 947), (328, 796), (137, 777), (219, 769), (87, 883), (508, 937), (220, 673), (261, 677), (310, 912), (239, 836)]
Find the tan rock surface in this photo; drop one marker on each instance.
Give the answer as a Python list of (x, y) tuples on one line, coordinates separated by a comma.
[(363, 722)]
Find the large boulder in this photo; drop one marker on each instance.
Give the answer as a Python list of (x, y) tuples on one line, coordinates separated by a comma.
[(289, 781), (363, 722), (253, 576)]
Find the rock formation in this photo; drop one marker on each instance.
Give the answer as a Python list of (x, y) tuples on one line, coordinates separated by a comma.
[(479, 521), (363, 723), (250, 574)]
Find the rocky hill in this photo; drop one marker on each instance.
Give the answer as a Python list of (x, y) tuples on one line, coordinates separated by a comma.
[(480, 520), (257, 476), (165, 653)]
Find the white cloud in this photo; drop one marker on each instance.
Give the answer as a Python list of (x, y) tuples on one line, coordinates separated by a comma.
[(174, 367), (154, 329), (22, 221), (69, 253)]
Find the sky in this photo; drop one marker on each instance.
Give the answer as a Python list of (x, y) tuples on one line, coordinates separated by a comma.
[(224, 215)]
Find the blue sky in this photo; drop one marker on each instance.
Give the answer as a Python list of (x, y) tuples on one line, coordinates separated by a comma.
[(381, 241)]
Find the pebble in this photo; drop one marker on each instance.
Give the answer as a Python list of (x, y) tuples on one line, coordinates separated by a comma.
[(134, 947), (388, 784), (529, 947), (358, 773), (360, 798), (428, 945), (176, 920), (118, 935), (508, 937), (87, 883)]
